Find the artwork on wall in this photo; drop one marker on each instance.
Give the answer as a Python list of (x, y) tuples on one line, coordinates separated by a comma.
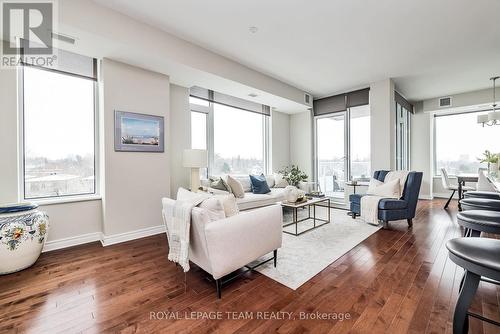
[(138, 132)]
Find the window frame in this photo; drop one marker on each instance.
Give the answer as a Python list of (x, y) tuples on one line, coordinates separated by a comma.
[(436, 173), (47, 200), (209, 111)]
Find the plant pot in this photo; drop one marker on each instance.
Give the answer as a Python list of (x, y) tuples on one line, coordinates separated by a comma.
[(23, 231)]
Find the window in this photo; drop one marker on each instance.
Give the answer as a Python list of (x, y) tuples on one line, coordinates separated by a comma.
[(360, 142), (235, 138), (59, 134), (402, 137), (460, 141)]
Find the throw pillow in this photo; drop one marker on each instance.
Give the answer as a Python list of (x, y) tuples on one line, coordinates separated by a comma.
[(236, 187), (220, 184), (374, 183), (214, 208), (389, 189), (279, 181), (259, 184), (229, 204), (270, 180), (245, 182)]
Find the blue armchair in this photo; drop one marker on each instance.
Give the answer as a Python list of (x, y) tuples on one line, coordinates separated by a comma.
[(390, 208)]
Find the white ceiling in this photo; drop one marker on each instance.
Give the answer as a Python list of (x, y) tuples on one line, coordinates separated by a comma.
[(429, 47)]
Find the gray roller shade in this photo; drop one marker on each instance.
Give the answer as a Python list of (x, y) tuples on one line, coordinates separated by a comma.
[(358, 98), (63, 61), (341, 102), (228, 100), (403, 102)]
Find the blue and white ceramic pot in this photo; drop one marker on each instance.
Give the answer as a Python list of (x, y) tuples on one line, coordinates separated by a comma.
[(23, 231)]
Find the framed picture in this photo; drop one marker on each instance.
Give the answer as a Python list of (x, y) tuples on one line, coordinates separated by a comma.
[(138, 132)]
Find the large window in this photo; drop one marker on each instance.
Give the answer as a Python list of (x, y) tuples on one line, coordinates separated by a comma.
[(360, 142), (460, 141), (236, 139), (59, 134), (402, 137)]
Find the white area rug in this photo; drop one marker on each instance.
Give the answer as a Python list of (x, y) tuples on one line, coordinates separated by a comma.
[(302, 257)]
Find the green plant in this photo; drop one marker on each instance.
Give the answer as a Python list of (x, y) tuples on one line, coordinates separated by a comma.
[(293, 175), (489, 157)]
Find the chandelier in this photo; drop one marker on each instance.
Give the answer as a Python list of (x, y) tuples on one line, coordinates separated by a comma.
[(493, 117)]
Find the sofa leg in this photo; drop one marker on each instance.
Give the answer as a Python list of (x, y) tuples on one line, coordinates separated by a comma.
[(275, 253), (410, 222), (218, 286)]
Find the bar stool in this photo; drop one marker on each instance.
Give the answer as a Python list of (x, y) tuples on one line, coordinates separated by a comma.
[(477, 221), (480, 204), (479, 257), (482, 194)]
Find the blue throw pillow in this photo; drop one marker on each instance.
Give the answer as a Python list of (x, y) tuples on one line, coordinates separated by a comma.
[(259, 184)]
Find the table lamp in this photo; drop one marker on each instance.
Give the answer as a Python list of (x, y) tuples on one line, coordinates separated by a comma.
[(195, 159)]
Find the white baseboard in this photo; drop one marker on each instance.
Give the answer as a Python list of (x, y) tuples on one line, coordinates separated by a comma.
[(71, 241), (445, 195), (108, 240), (425, 197)]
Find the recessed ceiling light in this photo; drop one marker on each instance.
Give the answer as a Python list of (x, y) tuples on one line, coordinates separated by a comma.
[(252, 95), (253, 29)]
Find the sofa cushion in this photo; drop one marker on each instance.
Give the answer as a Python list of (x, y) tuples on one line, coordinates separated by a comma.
[(229, 204), (387, 189), (392, 204), (259, 184), (245, 182), (214, 208), (251, 201), (236, 187)]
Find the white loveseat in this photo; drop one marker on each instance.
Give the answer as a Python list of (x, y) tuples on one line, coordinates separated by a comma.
[(223, 246), (251, 200)]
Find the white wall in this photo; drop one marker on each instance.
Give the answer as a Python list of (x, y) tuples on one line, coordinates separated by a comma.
[(8, 136), (180, 137), (383, 125), (421, 148), (134, 182), (301, 142), (280, 140), (483, 96)]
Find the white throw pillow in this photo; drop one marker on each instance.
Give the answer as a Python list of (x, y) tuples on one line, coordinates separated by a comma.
[(279, 181), (236, 186), (214, 208), (270, 180), (245, 182), (229, 204), (186, 195), (374, 183), (389, 189)]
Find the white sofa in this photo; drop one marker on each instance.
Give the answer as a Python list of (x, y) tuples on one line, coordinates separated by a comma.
[(251, 200), (223, 246)]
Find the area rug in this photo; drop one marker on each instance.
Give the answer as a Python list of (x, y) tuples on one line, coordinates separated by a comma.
[(302, 257)]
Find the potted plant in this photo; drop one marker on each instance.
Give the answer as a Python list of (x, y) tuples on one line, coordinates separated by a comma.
[(492, 160), (293, 175)]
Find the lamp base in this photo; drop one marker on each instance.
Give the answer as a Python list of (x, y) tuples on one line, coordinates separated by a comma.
[(195, 179)]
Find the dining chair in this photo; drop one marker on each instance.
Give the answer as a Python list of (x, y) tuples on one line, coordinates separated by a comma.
[(445, 180)]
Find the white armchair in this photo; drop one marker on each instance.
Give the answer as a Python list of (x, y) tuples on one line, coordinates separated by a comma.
[(224, 246)]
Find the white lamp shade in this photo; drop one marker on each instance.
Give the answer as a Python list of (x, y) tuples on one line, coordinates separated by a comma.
[(195, 158), (482, 118), (494, 116)]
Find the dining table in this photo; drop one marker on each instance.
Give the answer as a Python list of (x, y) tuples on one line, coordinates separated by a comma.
[(461, 179)]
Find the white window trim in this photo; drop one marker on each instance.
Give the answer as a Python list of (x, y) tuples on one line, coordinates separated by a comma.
[(60, 199)]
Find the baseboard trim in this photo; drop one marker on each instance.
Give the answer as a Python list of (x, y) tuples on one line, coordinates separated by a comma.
[(108, 240), (445, 195), (425, 197), (71, 241)]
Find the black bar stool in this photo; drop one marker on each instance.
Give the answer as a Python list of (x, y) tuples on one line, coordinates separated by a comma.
[(480, 258), (480, 204), (482, 194), (477, 221)]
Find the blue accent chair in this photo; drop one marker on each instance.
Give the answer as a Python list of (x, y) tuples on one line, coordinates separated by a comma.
[(390, 208)]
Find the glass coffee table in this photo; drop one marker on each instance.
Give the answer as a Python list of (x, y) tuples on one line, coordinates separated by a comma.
[(308, 203)]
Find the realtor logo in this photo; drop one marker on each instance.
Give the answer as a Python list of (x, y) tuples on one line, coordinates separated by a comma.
[(30, 21)]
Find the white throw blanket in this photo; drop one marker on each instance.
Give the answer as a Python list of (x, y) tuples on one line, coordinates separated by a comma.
[(369, 203), (177, 219)]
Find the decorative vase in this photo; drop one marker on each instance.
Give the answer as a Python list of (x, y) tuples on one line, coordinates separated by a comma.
[(291, 194), (493, 168), (23, 231)]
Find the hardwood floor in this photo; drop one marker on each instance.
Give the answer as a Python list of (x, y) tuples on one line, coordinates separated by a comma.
[(396, 281)]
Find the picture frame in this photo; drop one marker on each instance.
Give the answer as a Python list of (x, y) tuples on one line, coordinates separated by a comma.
[(136, 132)]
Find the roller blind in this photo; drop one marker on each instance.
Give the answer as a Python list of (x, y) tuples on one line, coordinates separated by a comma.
[(63, 61), (341, 102), (403, 102), (228, 100)]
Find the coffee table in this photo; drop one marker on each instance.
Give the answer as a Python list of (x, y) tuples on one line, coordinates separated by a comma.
[(309, 203)]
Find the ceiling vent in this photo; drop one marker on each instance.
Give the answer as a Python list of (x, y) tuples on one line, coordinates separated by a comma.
[(445, 102), (307, 98)]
